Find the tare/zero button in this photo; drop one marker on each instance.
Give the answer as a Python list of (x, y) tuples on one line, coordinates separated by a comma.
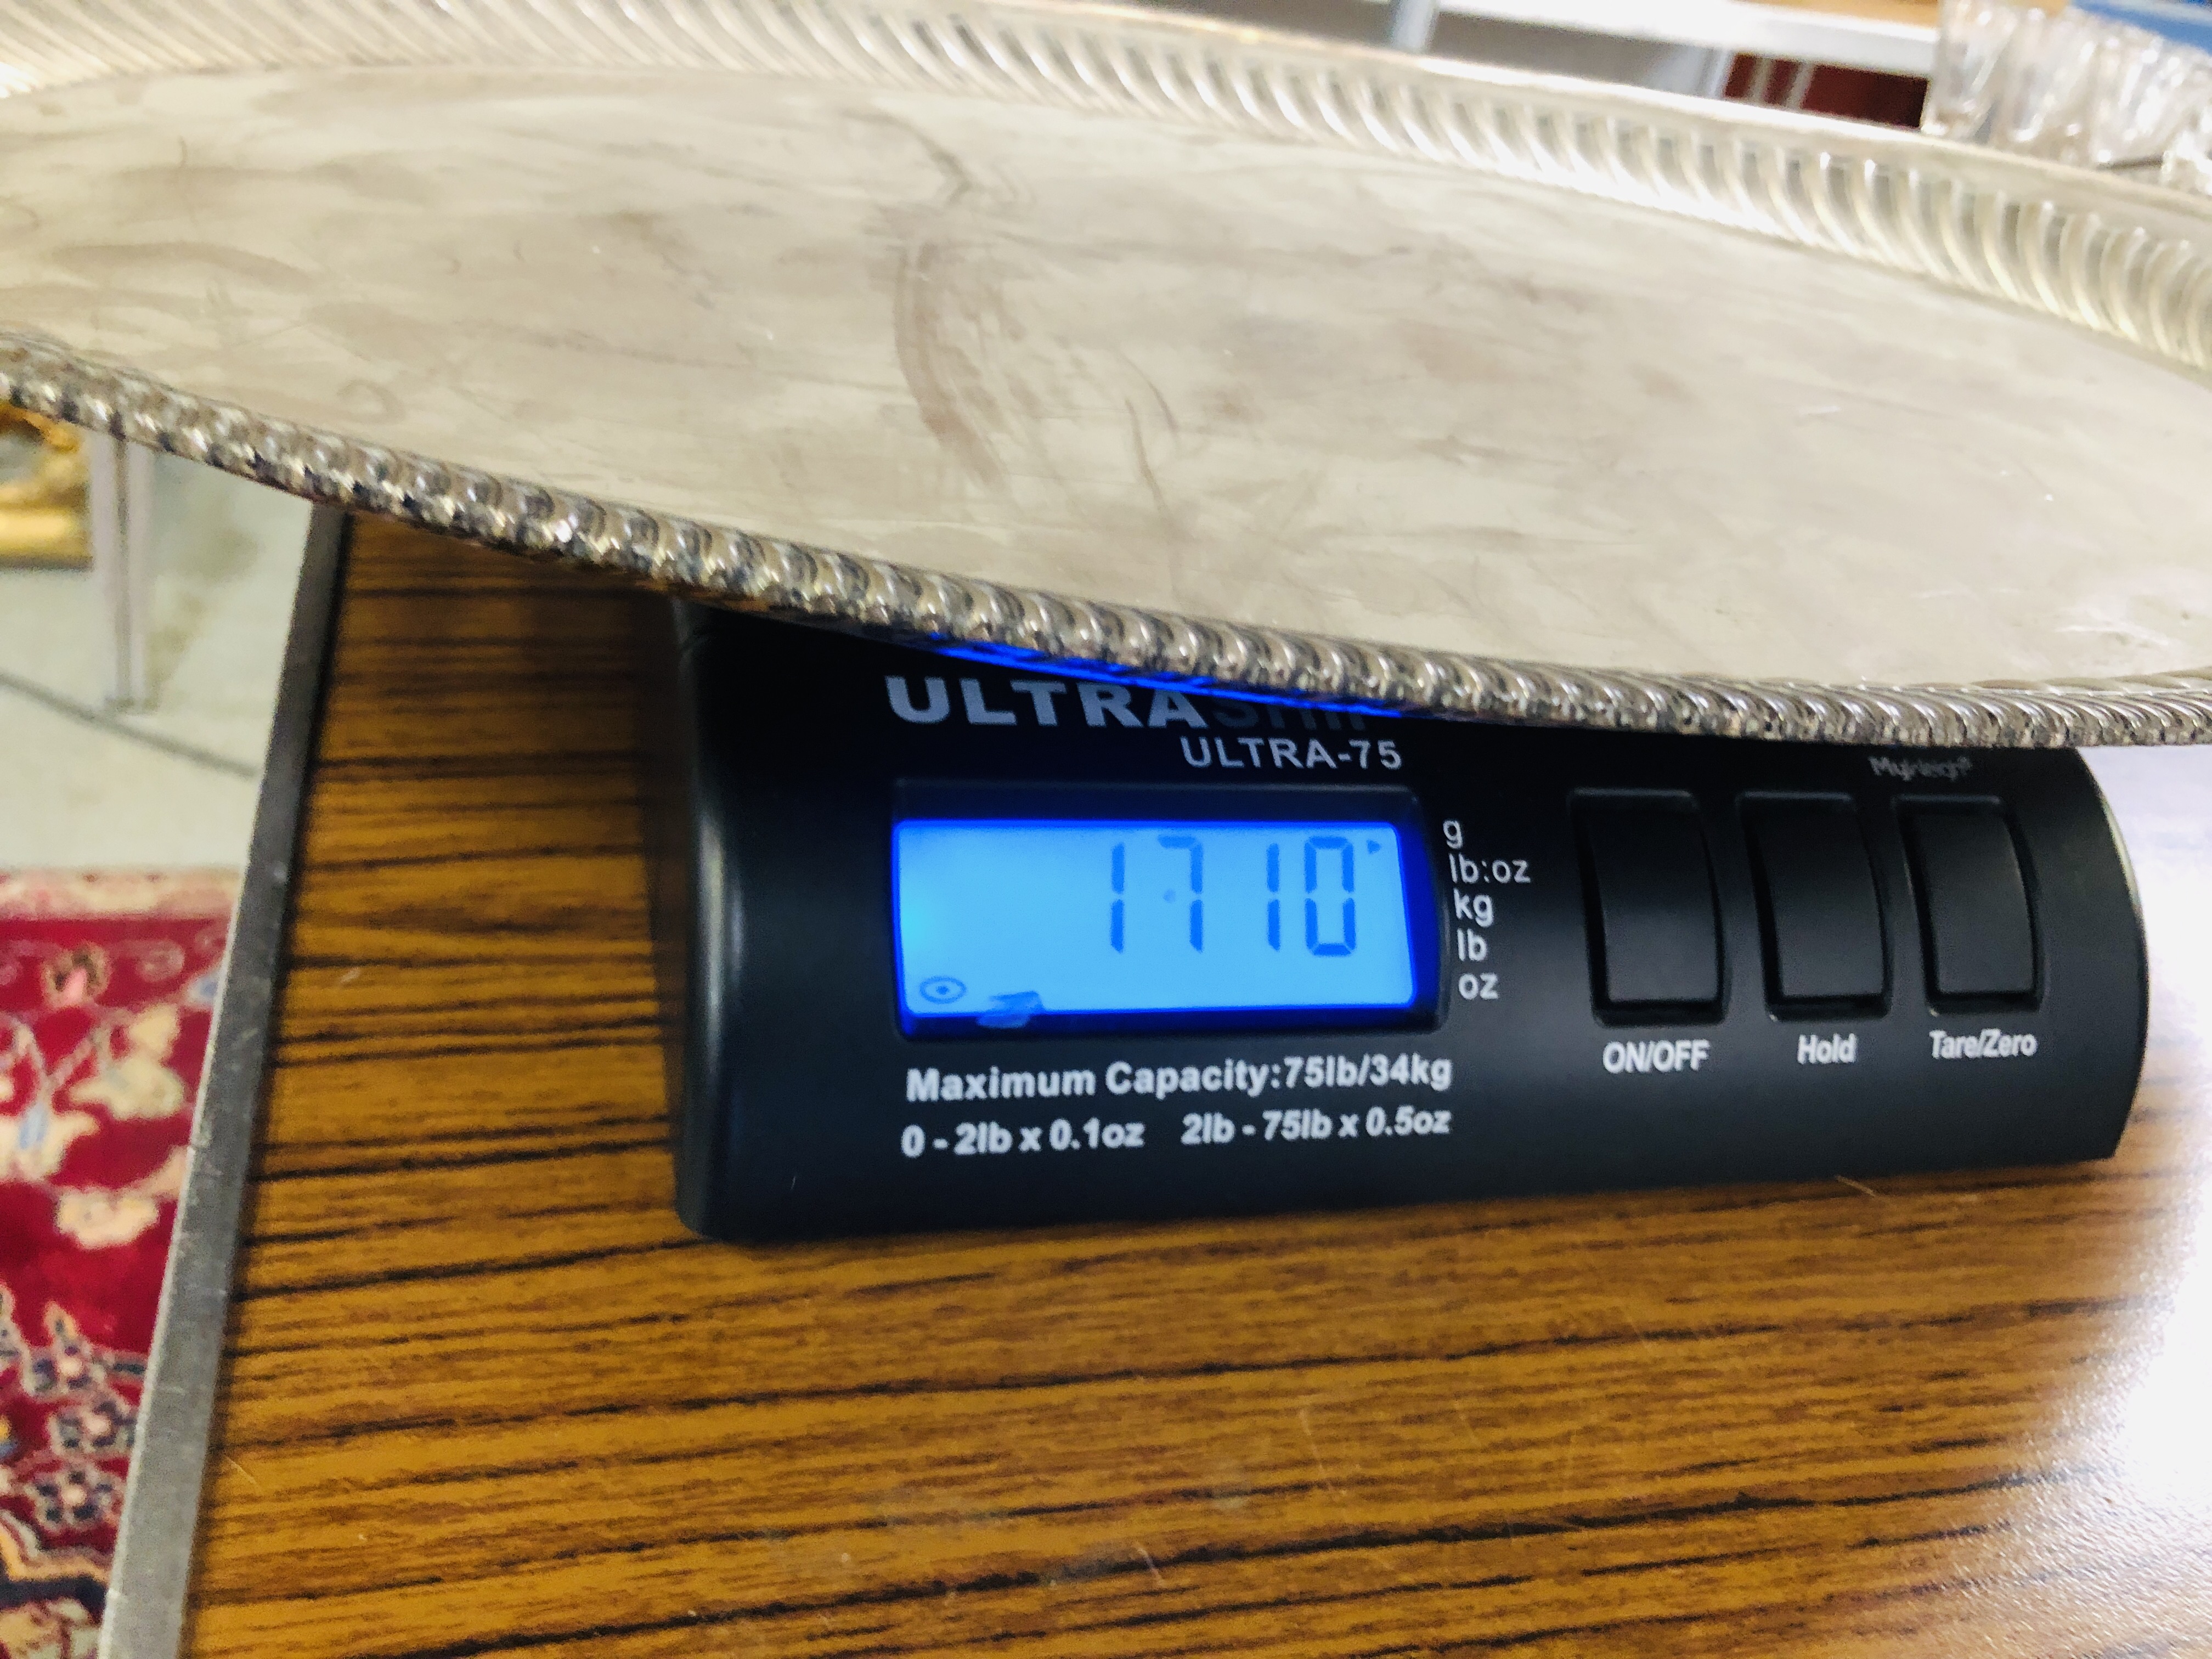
[(1973, 901)]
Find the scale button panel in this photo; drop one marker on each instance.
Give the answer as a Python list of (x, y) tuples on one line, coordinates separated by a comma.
[(1816, 894), (1657, 934), (1973, 902)]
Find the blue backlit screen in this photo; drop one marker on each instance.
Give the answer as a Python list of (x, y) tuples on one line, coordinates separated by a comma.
[(999, 920)]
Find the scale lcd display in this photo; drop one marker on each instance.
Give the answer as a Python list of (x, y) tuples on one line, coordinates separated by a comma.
[(1003, 919)]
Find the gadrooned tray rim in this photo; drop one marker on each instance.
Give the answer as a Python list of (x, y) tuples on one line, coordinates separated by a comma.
[(2119, 259)]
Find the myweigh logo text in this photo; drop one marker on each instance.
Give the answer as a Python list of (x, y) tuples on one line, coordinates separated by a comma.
[(1910, 771)]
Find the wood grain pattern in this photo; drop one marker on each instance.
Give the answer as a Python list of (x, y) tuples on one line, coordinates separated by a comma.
[(485, 1396)]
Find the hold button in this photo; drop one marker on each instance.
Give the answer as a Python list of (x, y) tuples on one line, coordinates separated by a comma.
[(1822, 921), (1656, 937), (1974, 903)]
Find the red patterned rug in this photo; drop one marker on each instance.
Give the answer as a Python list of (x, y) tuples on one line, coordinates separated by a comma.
[(106, 986)]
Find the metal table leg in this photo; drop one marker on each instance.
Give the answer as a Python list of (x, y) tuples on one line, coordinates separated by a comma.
[(119, 507), (1413, 24)]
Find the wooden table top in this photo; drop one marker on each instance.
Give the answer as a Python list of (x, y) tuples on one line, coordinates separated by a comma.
[(485, 1395)]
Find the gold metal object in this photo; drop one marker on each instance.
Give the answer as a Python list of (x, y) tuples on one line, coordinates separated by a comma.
[(42, 506)]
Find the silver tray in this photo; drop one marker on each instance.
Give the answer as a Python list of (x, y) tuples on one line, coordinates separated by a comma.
[(1182, 349)]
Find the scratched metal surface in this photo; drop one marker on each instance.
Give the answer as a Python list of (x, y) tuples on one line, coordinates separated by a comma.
[(1651, 413)]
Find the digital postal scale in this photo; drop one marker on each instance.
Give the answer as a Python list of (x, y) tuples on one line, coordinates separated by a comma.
[(946, 943)]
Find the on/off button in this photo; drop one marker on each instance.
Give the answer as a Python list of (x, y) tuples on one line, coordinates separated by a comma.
[(1655, 935)]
